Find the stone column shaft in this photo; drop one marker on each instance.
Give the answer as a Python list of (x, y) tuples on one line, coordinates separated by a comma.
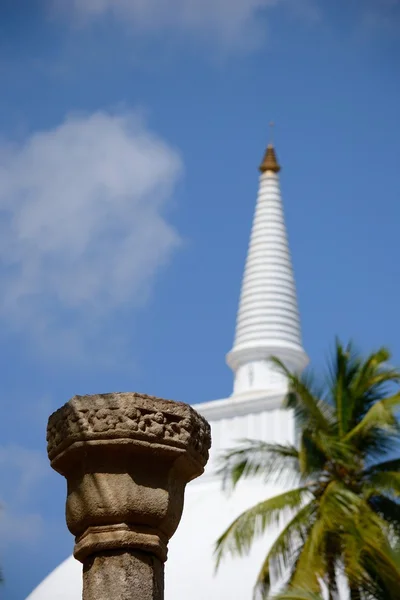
[(123, 575)]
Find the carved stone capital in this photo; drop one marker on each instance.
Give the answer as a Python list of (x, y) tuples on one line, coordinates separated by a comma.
[(127, 459)]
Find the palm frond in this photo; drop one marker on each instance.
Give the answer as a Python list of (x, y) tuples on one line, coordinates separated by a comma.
[(274, 462), (389, 510), (375, 375), (381, 416), (384, 482), (369, 370), (281, 557), (311, 562), (319, 450), (382, 569), (385, 466), (368, 557), (376, 444), (251, 524), (297, 594), (312, 454), (345, 368), (307, 406)]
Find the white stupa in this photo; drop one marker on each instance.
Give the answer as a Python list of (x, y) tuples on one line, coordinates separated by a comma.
[(267, 325)]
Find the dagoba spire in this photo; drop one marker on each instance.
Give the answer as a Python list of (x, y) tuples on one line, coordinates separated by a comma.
[(268, 321)]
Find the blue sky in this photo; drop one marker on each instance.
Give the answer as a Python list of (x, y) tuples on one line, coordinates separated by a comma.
[(129, 142)]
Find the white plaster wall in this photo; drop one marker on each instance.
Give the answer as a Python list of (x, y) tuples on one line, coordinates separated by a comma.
[(274, 425), (190, 571), (258, 375)]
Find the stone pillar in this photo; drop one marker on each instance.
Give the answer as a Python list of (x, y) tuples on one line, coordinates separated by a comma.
[(127, 459)]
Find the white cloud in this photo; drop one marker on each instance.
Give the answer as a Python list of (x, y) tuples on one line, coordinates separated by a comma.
[(82, 225), (230, 21)]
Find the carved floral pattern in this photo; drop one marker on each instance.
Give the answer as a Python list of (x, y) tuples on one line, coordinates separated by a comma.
[(128, 415)]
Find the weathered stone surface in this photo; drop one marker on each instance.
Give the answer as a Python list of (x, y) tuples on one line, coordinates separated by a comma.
[(123, 576), (127, 459), (129, 415)]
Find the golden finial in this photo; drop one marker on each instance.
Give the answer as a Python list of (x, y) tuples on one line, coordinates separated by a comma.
[(270, 162)]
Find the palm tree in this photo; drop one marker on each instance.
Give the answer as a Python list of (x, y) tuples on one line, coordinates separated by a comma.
[(340, 518)]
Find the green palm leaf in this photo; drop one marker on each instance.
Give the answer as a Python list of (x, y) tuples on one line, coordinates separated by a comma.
[(251, 524), (309, 407), (388, 465), (297, 595), (311, 561), (254, 458), (379, 416), (385, 483), (284, 552)]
